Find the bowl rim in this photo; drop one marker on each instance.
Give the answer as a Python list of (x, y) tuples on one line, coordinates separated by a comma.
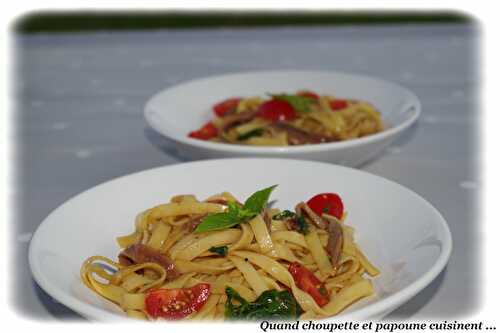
[(412, 102), (379, 307)]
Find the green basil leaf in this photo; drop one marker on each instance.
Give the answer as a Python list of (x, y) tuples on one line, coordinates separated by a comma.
[(233, 207), (299, 103), (258, 201), (232, 293), (244, 215), (217, 221), (251, 134), (303, 226), (271, 304), (220, 250), (240, 213)]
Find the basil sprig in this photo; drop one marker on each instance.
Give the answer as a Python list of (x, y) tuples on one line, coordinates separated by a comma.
[(236, 214), (298, 103)]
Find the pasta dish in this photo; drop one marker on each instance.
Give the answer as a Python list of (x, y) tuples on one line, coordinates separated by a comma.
[(223, 259), (289, 119)]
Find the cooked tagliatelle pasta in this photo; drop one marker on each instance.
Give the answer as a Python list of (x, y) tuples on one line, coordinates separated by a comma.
[(289, 119), (222, 259)]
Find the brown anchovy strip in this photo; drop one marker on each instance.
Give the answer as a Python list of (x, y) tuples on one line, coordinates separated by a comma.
[(328, 223), (303, 209), (140, 253), (218, 200), (297, 136), (266, 218), (221, 201), (291, 224), (335, 239), (236, 119)]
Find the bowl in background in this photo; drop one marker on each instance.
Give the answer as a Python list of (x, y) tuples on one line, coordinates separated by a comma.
[(177, 110)]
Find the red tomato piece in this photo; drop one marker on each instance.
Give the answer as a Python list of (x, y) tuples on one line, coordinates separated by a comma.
[(227, 106), (308, 282), (206, 132), (338, 104), (176, 303), (329, 203), (276, 110), (309, 94)]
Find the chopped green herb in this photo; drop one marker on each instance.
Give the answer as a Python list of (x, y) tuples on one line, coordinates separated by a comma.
[(271, 304), (284, 215), (220, 250), (251, 134), (235, 214), (299, 103), (298, 220), (302, 224)]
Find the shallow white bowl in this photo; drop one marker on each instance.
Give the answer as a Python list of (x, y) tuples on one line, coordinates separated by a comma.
[(176, 111), (399, 231)]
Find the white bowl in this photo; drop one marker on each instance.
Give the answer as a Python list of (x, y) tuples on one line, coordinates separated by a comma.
[(176, 111), (399, 231)]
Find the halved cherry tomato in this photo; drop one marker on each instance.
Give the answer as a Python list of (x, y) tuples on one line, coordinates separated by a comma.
[(277, 110), (227, 106), (309, 94), (206, 132), (176, 303), (307, 281), (329, 203), (338, 104)]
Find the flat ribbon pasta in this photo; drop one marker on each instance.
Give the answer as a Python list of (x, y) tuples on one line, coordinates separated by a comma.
[(251, 257)]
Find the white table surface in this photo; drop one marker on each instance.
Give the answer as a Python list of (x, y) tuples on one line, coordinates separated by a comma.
[(79, 122)]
